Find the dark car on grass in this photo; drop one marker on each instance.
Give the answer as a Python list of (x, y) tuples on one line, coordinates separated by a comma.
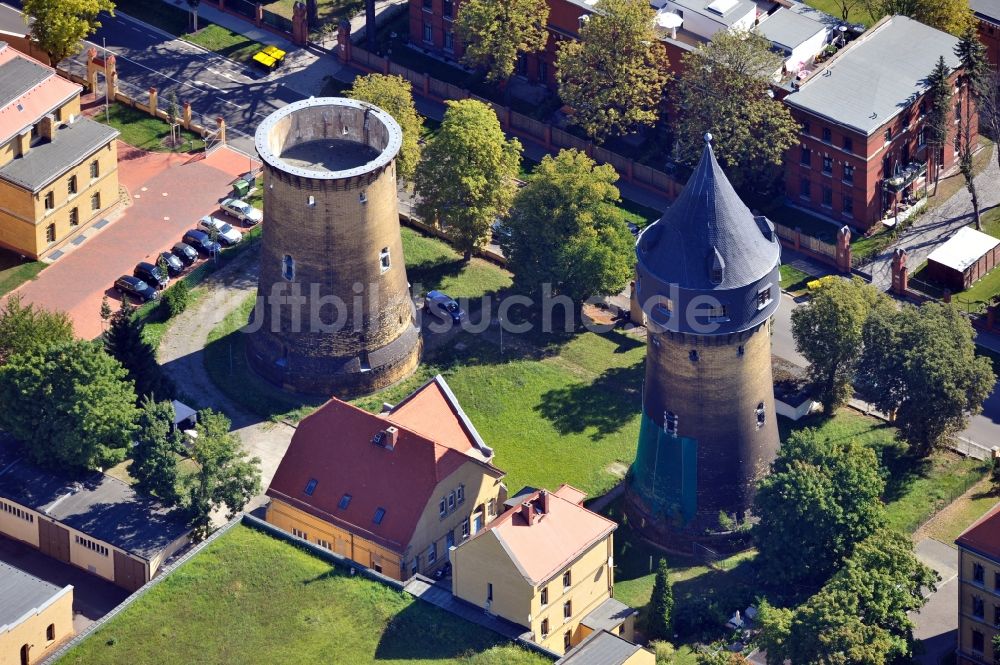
[(150, 274), (201, 242), (129, 285), (185, 252), (174, 265)]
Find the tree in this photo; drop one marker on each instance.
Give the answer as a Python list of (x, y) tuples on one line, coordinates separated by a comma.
[(952, 16), (661, 604), (70, 405), (847, 6), (123, 340), (225, 475), (394, 95), (60, 25), (24, 328), (939, 115), (466, 177), (193, 5), (613, 77), (822, 497), (105, 311), (566, 231), (157, 442), (176, 299), (975, 78), (921, 365), (496, 32), (724, 88), (827, 332)]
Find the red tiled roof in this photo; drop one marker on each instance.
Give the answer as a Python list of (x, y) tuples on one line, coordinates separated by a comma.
[(36, 102), (543, 547), (334, 447), (984, 534), (433, 411)]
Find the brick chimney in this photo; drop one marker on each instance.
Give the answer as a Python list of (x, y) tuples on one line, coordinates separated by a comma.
[(543, 502), (47, 127), (391, 436), (528, 512)]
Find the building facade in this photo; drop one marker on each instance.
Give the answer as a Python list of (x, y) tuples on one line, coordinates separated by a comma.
[(863, 143), (708, 285), (393, 492), (546, 563), (58, 170), (987, 14), (35, 617), (979, 590), (336, 315)]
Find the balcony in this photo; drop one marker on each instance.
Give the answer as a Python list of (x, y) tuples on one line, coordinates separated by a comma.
[(904, 177)]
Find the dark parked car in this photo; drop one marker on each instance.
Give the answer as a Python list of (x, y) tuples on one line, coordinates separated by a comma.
[(174, 264), (185, 252), (443, 306), (201, 242), (150, 274), (128, 285)]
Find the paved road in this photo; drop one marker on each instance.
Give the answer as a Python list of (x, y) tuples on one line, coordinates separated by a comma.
[(936, 624)]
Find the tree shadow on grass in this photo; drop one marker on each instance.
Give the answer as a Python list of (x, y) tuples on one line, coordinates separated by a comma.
[(423, 632), (430, 274), (604, 404)]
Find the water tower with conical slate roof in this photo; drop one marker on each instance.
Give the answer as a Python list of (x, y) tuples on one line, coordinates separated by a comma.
[(708, 283)]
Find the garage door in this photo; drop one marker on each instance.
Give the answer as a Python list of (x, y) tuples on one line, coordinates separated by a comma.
[(129, 573), (53, 540)]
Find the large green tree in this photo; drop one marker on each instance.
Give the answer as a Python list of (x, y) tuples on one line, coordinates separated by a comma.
[(938, 124), (661, 604), (70, 405), (827, 332), (614, 76), (565, 230), (25, 328), (975, 79), (154, 454), (920, 364), (724, 88), (466, 178), (394, 95), (496, 32), (124, 341), (60, 25), (952, 16), (226, 476), (822, 497)]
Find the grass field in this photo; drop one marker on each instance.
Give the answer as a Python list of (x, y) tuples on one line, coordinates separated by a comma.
[(326, 10), (858, 13), (793, 279), (15, 271), (225, 42), (250, 598), (143, 131), (961, 514)]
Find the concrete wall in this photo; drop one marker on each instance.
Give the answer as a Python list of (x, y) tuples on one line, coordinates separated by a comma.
[(33, 629), (18, 523)]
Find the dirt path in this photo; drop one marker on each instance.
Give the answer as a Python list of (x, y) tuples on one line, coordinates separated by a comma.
[(181, 353)]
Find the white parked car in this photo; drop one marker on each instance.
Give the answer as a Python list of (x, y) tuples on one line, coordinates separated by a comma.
[(227, 234), (242, 211)]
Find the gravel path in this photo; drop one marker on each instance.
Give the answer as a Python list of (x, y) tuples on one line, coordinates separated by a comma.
[(181, 354), (933, 228)]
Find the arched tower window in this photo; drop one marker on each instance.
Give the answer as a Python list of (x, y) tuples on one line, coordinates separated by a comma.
[(760, 414), (288, 267), (693, 355), (670, 422)]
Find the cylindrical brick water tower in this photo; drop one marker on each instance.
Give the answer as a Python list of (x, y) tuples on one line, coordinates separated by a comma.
[(334, 314)]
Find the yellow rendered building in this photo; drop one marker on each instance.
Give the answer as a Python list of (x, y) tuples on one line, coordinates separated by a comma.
[(393, 492), (979, 590), (58, 170), (35, 616), (547, 564)]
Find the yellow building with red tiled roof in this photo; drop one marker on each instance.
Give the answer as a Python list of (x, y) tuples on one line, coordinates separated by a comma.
[(979, 590), (546, 564), (394, 491)]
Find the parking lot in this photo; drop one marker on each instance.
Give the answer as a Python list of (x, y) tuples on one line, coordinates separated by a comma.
[(169, 193)]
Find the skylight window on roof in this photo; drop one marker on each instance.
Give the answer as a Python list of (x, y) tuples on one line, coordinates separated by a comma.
[(311, 486), (379, 514), (345, 501), (720, 7)]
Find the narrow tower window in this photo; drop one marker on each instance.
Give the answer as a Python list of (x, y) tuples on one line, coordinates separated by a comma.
[(761, 415), (693, 355), (311, 201), (740, 350), (670, 423), (288, 267), (384, 259), (363, 197)]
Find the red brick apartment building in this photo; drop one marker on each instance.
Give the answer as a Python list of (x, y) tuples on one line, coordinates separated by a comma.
[(862, 146), (988, 15)]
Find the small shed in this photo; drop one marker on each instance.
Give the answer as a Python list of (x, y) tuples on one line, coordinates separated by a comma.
[(185, 417), (966, 258)]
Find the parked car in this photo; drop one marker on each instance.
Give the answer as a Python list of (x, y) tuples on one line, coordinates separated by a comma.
[(227, 234), (500, 231), (201, 242), (242, 211), (185, 252), (443, 306), (150, 274), (128, 285), (174, 265)]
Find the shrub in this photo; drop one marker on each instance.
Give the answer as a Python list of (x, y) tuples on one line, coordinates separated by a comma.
[(176, 299)]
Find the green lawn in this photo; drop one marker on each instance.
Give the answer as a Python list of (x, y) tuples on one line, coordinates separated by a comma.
[(964, 513), (225, 42), (15, 271), (433, 264), (833, 7), (793, 279), (251, 598), (326, 10), (143, 131), (980, 294)]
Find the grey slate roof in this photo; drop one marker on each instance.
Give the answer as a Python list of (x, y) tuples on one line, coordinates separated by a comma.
[(738, 11), (608, 615), (789, 29), (600, 648), (22, 593), (18, 76), (48, 160), (877, 76), (12, 21), (987, 8), (100, 506)]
